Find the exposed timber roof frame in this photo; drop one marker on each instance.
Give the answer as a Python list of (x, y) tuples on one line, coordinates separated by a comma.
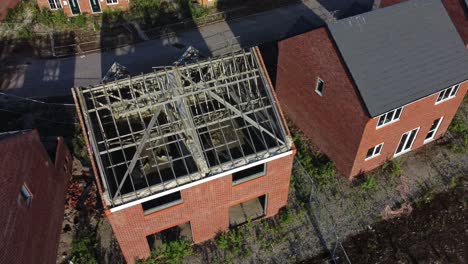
[(178, 125)]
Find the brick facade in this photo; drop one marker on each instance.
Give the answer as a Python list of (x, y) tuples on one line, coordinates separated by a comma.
[(337, 122), (31, 233), (85, 5), (205, 206), (334, 121), (420, 114), (5, 5)]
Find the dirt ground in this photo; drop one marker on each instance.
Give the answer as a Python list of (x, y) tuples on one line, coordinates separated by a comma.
[(433, 233)]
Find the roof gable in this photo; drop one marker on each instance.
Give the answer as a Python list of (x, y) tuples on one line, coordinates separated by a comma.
[(399, 54)]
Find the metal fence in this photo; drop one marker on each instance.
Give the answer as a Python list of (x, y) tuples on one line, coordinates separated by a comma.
[(322, 219)]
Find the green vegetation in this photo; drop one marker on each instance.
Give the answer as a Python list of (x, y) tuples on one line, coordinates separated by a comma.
[(453, 182), (286, 216), (370, 184), (198, 11), (78, 146), (232, 242), (82, 251), (30, 18), (316, 164), (459, 128), (172, 252), (393, 168)]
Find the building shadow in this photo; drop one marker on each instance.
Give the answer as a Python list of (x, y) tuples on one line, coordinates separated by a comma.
[(154, 45), (347, 8), (272, 20)]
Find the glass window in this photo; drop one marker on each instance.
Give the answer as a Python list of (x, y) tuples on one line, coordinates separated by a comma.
[(447, 93), (163, 202), (319, 87), (248, 174), (390, 117), (374, 151)]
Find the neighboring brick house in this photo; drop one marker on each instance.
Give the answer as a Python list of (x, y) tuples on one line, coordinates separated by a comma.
[(190, 150), (76, 7), (33, 179), (374, 86)]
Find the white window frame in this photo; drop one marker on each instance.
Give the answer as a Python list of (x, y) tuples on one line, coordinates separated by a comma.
[(403, 151), (317, 86), (427, 140), (393, 118), (374, 151), (57, 3), (451, 91), (113, 2)]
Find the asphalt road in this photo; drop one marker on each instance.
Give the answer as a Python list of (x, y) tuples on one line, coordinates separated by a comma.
[(55, 77)]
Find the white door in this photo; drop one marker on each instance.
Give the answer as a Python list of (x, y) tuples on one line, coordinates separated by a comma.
[(406, 142)]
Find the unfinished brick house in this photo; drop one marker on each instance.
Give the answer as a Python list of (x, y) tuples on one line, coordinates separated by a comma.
[(187, 151), (372, 87), (34, 178)]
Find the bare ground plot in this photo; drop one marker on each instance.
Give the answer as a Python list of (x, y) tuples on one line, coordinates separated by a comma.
[(433, 233)]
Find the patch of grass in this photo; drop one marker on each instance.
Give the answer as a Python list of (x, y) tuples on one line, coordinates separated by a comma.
[(173, 253), (317, 165), (198, 11), (393, 167), (286, 216), (233, 242), (82, 251), (459, 128), (453, 183), (370, 184)]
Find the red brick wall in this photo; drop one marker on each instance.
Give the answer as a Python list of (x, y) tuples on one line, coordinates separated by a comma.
[(85, 5), (5, 5), (421, 114), (335, 121), (30, 234), (206, 206)]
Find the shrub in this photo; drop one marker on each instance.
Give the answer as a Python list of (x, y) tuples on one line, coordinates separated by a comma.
[(198, 11), (172, 252), (80, 21), (148, 10), (393, 167), (232, 241), (82, 250), (370, 184), (222, 241), (318, 166), (56, 18), (286, 216), (459, 128)]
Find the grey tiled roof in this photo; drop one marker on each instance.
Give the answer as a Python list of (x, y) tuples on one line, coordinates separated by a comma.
[(399, 54)]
